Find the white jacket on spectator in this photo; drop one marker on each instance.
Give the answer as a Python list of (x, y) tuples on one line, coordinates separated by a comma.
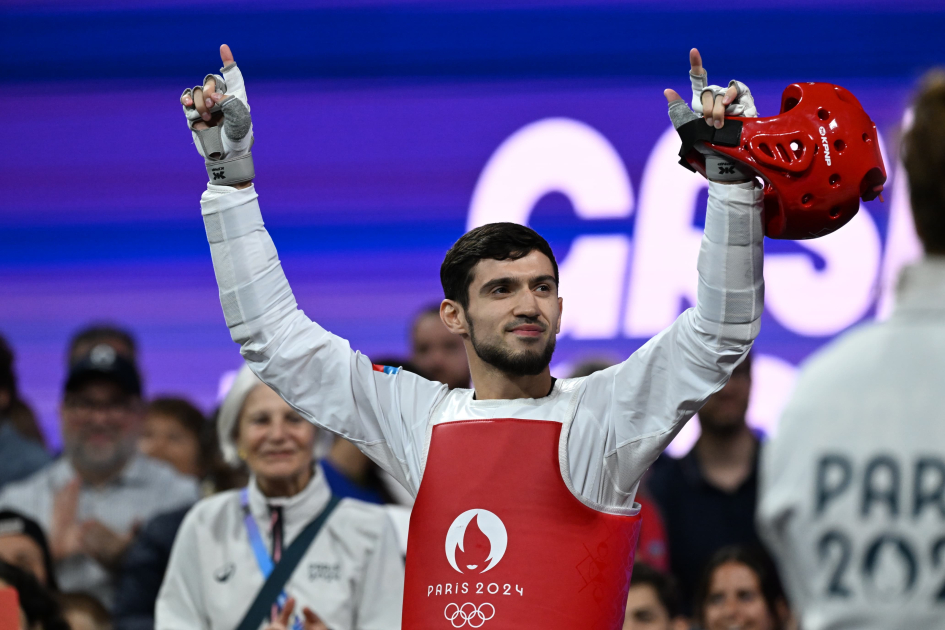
[(852, 499), (352, 575)]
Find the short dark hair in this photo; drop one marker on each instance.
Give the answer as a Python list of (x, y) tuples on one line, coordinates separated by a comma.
[(495, 241), (91, 335), (664, 585), (182, 410), (759, 562), (923, 152)]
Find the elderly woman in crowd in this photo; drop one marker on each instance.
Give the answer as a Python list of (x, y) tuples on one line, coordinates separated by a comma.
[(351, 575), (740, 588)]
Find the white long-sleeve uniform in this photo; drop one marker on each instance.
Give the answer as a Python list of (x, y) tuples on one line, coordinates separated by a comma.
[(852, 490), (618, 420)]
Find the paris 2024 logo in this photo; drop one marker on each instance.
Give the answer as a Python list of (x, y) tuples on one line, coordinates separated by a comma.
[(478, 540), (475, 543)]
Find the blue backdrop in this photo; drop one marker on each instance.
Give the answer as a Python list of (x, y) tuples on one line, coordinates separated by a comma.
[(384, 130)]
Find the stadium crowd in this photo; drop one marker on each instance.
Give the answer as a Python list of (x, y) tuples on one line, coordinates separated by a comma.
[(111, 533)]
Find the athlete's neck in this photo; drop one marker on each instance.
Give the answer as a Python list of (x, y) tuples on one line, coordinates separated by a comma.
[(493, 384)]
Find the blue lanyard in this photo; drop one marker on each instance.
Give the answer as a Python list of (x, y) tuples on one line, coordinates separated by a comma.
[(262, 555)]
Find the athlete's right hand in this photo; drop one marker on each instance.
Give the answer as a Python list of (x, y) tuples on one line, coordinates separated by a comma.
[(218, 116)]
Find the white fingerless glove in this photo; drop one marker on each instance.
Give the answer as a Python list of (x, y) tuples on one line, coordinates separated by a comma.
[(717, 166), (225, 147)]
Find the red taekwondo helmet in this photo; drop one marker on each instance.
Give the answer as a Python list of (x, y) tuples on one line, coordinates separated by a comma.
[(818, 158)]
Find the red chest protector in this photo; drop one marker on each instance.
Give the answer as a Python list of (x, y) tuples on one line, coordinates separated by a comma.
[(497, 540)]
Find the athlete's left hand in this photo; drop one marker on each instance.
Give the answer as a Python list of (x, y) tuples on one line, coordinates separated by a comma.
[(218, 116), (713, 102)]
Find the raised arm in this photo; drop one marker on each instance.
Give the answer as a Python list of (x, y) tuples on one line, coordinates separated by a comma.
[(384, 413), (630, 412)]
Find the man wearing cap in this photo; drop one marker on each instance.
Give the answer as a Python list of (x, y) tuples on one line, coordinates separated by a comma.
[(91, 499)]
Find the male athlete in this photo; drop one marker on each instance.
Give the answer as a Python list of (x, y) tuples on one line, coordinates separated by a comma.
[(524, 516)]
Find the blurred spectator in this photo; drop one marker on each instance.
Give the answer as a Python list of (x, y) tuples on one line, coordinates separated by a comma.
[(438, 354), (90, 500), (220, 475), (38, 607), (708, 497), (652, 544), (353, 576), (23, 544), (119, 339), (176, 432), (84, 612), (143, 570), (13, 411), (171, 432), (351, 473), (853, 485), (652, 603), (740, 589)]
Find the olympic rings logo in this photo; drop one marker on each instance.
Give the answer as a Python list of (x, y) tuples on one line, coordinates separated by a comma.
[(468, 613)]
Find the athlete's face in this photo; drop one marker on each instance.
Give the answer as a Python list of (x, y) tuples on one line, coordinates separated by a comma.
[(514, 313)]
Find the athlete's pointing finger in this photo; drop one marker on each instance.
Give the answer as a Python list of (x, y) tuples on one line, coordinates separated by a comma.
[(226, 56), (695, 62)]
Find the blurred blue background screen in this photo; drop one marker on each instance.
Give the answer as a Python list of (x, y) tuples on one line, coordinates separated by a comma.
[(385, 130)]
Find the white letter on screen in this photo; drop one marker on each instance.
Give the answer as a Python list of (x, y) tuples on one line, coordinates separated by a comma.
[(820, 303), (666, 245), (572, 158)]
